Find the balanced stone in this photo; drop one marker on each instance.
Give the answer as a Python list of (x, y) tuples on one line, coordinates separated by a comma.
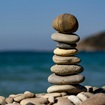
[(66, 60), (65, 80), (65, 23), (71, 89), (66, 69), (65, 52), (65, 38), (66, 46)]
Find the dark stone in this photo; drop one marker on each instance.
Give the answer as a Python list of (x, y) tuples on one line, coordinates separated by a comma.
[(66, 46)]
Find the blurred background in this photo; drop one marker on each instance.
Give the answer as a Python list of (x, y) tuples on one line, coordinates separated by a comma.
[(26, 48)]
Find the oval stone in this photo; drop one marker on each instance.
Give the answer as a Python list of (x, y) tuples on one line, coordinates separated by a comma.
[(65, 38), (71, 89), (65, 52), (65, 23), (66, 60), (66, 46), (66, 69), (65, 80)]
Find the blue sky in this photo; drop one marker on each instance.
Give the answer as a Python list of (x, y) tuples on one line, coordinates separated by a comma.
[(27, 24)]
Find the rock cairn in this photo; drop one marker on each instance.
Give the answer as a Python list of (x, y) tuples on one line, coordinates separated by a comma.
[(66, 75)]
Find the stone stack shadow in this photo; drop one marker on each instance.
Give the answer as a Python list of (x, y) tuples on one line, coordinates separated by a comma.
[(66, 75)]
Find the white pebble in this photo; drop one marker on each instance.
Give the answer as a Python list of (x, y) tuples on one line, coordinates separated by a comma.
[(82, 97), (75, 100)]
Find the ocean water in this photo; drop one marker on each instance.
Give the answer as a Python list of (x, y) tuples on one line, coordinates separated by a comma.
[(22, 71)]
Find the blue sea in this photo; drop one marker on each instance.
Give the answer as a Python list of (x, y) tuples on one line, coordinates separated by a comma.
[(28, 70)]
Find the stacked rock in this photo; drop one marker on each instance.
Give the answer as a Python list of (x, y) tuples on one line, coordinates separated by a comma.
[(66, 75)]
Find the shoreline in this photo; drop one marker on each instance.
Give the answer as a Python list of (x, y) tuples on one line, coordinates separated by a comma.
[(58, 98)]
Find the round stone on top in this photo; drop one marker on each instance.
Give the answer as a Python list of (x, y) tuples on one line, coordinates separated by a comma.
[(65, 23)]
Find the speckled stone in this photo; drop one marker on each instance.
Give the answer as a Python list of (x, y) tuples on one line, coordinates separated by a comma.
[(66, 60), (65, 80), (66, 46), (71, 89), (65, 23), (66, 69), (63, 52), (98, 99), (65, 38)]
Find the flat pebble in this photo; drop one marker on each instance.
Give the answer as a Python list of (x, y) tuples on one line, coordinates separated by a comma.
[(66, 60), (19, 98), (66, 69), (63, 52), (66, 46), (52, 94), (71, 89), (34, 101), (75, 99), (65, 38), (65, 80), (98, 99)]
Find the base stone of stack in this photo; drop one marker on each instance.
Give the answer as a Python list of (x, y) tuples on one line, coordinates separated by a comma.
[(71, 89)]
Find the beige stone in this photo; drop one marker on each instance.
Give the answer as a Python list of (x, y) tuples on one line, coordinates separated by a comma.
[(19, 98), (28, 94), (66, 80), (66, 69), (66, 60), (71, 89), (98, 99), (88, 94), (63, 101), (9, 100), (52, 94), (34, 101), (2, 100), (65, 52), (51, 99)]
